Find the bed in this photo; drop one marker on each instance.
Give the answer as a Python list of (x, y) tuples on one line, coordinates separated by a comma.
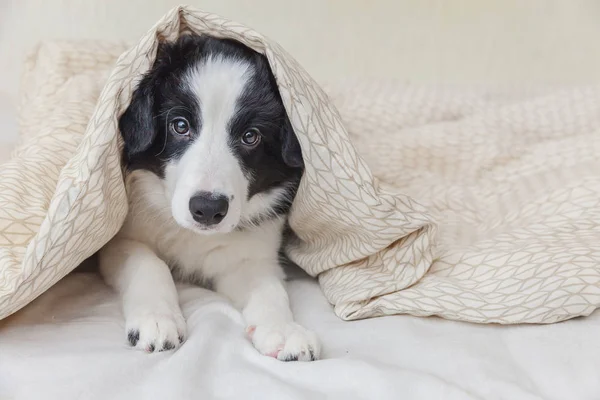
[(69, 344)]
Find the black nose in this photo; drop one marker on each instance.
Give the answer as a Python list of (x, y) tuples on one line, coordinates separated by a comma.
[(208, 208)]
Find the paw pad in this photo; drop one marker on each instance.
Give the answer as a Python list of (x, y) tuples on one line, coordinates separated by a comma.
[(133, 336), (286, 342), (250, 331), (156, 331), (167, 345)]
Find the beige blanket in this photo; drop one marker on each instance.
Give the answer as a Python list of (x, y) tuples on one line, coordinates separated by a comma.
[(513, 182)]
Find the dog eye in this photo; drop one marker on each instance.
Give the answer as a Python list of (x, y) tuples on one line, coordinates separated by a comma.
[(180, 126), (251, 137)]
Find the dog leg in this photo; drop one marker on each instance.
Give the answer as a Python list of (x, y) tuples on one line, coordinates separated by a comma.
[(264, 302), (154, 321)]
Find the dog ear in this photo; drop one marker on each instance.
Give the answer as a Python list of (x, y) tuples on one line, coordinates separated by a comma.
[(137, 124), (290, 147)]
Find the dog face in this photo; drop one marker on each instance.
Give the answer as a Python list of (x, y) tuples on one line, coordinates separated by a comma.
[(208, 120)]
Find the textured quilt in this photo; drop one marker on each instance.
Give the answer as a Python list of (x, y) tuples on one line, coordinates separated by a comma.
[(471, 205)]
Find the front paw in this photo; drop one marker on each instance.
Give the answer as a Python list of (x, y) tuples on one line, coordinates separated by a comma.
[(285, 342), (156, 331)]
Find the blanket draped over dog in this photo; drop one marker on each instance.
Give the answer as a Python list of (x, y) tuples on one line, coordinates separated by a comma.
[(512, 183)]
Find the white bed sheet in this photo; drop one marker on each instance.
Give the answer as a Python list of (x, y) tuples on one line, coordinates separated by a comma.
[(70, 344)]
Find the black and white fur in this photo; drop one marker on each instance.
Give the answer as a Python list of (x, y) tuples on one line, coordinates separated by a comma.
[(212, 168)]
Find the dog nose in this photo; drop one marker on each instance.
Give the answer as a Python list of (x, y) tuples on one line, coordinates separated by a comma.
[(208, 208)]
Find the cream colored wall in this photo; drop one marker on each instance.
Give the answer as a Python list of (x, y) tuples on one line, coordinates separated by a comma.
[(441, 41)]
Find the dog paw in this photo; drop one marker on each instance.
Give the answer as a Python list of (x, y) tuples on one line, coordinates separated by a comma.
[(287, 342), (153, 331)]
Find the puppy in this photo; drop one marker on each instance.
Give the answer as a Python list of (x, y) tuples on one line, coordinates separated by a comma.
[(212, 168)]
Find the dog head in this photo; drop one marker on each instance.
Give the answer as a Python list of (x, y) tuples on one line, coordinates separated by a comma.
[(208, 120)]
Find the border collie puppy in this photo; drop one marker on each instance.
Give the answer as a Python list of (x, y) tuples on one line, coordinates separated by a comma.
[(212, 168)]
